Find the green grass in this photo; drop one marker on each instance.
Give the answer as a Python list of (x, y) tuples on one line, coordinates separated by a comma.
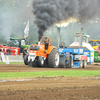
[(11, 75), (12, 63)]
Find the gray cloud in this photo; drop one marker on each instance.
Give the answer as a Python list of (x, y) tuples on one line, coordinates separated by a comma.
[(49, 12)]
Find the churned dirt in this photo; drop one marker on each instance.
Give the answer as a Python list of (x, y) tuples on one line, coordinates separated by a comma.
[(49, 88), (24, 68)]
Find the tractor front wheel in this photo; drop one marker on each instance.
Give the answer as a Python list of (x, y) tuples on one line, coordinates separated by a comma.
[(40, 61), (26, 62), (53, 58)]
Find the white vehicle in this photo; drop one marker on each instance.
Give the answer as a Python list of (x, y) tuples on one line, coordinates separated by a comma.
[(87, 48)]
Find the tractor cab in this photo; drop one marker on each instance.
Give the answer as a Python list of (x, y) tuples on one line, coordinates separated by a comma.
[(17, 42), (96, 46), (46, 41), (84, 37), (82, 42), (94, 43)]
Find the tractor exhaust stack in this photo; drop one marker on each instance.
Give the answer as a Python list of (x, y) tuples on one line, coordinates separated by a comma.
[(58, 32), (80, 43)]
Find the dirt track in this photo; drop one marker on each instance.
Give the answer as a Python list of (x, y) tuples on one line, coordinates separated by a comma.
[(24, 68), (56, 88)]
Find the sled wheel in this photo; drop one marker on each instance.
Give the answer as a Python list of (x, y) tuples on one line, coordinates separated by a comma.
[(81, 64), (40, 61), (71, 64), (84, 63), (53, 58), (26, 60)]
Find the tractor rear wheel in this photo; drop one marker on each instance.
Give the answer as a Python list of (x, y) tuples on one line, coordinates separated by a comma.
[(26, 62), (40, 61), (53, 58)]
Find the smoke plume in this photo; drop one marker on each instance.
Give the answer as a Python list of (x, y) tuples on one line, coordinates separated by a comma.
[(49, 12)]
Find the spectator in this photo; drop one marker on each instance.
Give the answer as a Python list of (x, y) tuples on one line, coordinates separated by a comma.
[(61, 46), (0, 53), (25, 52), (0, 49), (8, 52)]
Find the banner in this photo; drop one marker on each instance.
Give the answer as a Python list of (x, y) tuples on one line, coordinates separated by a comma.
[(26, 31)]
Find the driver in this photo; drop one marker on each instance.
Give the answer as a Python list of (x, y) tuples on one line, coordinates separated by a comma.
[(45, 41), (46, 44)]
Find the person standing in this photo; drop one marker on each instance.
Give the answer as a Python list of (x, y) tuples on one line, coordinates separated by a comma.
[(0, 49), (8, 52), (0, 53), (25, 52), (61, 46)]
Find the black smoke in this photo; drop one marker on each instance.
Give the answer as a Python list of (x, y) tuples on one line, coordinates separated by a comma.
[(49, 12)]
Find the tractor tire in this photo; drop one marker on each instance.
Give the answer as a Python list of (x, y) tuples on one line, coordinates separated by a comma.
[(53, 59), (71, 62), (84, 64), (81, 64), (33, 64), (26, 60), (71, 65), (40, 61)]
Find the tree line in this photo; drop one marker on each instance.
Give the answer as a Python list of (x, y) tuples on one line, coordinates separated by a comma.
[(14, 15)]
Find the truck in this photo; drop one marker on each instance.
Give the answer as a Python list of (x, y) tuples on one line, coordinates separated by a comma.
[(78, 54), (43, 54), (15, 45), (87, 48), (95, 43), (72, 58)]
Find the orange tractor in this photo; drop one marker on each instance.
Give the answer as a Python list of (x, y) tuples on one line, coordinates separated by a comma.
[(43, 54)]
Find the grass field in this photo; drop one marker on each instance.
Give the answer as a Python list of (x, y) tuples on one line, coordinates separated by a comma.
[(11, 75), (12, 63)]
